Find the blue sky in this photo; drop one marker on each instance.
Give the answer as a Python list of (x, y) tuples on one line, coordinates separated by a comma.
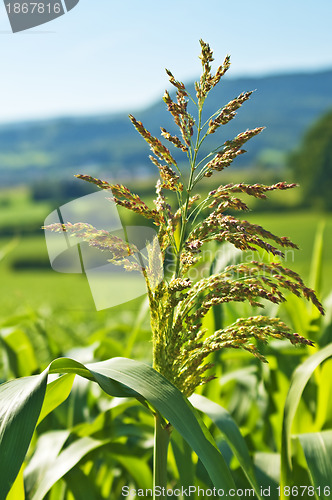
[(105, 56)]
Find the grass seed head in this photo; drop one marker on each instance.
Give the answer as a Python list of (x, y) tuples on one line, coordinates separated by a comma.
[(186, 223)]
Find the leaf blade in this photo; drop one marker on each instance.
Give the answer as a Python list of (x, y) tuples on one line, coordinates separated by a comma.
[(317, 447), (231, 433), (20, 405), (299, 380)]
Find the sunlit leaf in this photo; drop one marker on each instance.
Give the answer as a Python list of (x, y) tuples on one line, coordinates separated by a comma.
[(20, 404), (299, 380), (22, 401), (170, 402), (81, 486), (231, 434), (317, 259), (137, 469), (56, 393), (64, 462), (17, 490), (317, 447), (20, 352), (183, 458), (47, 449), (267, 467)]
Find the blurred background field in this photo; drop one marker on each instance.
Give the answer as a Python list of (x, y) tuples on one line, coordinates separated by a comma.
[(27, 279)]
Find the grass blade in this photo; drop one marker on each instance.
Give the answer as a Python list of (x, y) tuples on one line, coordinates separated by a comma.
[(315, 280), (56, 393), (298, 382), (65, 461), (47, 449), (20, 404), (231, 433), (17, 490), (317, 447), (119, 374), (183, 458)]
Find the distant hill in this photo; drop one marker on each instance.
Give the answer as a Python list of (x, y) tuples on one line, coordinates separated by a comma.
[(286, 104)]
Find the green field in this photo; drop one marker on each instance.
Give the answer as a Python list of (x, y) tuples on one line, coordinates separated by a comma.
[(28, 281), (37, 285)]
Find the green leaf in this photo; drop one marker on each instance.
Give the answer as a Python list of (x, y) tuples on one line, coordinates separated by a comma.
[(8, 247), (21, 401), (20, 352), (110, 386), (16, 319), (246, 376), (81, 486), (137, 469), (315, 280), (172, 405), (267, 467), (142, 313), (20, 404), (324, 397), (115, 376), (56, 393), (64, 462), (67, 365), (17, 490), (298, 313), (231, 434), (46, 451), (317, 447), (298, 382), (183, 458)]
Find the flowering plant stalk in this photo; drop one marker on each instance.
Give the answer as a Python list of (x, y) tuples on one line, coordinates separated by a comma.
[(178, 304)]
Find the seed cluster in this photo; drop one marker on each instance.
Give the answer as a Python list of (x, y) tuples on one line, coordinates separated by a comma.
[(228, 112), (98, 238)]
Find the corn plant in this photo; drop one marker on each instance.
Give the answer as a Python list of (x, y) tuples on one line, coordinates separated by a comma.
[(181, 346)]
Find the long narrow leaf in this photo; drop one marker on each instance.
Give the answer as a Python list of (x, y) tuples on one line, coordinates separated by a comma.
[(48, 447), (22, 401), (183, 458), (317, 447), (81, 486), (317, 259), (231, 433), (170, 402), (267, 467), (17, 490), (19, 350), (137, 468), (64, 463), (20, 404), (163, 396), (56, 393), (299, 380)]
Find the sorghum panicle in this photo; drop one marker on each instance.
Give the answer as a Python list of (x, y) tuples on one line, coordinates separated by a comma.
[(177, 303)]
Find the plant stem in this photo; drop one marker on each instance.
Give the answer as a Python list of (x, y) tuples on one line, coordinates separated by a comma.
[(161, 442), (189, 189)]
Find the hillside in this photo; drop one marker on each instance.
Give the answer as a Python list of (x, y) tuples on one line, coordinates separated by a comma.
[(286, 104)]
